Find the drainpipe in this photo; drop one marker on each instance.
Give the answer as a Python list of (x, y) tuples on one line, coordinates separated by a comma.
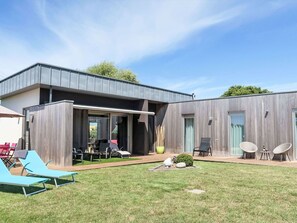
[(50, 94)]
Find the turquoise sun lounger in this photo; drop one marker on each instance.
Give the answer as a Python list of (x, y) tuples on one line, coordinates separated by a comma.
[(36, 167), (7, 179)]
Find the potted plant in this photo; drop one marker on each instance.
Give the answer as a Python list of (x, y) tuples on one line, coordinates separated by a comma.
[(160, 132)]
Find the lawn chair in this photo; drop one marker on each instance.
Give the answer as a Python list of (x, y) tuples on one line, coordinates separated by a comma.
[(7, 179), (204, 147), (33, 165), (119, 152), (248, 148), (282, 150)]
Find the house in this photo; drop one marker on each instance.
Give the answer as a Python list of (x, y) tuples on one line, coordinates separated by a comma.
[(66, 108)]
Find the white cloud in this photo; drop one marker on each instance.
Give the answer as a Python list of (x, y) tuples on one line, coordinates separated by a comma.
[(86, 32)]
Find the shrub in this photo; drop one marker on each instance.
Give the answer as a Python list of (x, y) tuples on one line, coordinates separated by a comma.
[(186, 158)]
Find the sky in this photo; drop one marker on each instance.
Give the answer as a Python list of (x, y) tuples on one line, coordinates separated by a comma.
[(192, 46)]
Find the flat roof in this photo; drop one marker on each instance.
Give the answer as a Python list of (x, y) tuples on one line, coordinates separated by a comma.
[(47, 76)]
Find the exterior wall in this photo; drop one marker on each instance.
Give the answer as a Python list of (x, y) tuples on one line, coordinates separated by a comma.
[(271, 130), (10, 129), (140, 130), (22, 100), (51, 132)]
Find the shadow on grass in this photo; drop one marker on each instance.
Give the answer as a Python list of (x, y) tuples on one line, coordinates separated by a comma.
[(101, 161), (18, 189)]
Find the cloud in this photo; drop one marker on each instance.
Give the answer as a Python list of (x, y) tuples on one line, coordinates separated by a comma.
[(81, 33), (78, 34)]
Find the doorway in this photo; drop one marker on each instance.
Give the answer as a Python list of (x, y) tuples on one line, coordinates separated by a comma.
[(236, 132), (189, 134)]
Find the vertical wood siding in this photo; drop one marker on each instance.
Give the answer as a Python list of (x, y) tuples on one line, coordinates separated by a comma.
[(51, 132), (274, 129)]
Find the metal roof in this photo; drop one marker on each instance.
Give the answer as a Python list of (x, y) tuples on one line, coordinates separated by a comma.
[(72, 80)]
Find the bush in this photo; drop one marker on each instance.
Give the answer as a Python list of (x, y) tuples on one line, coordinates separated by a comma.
[(186, 158)]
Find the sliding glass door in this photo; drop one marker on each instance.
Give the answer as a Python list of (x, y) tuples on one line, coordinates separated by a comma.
[(98, 128), (119, 131), (236, 132), (189, 134), (111, 126)]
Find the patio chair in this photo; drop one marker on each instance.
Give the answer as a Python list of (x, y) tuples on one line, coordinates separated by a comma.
[(204, 147), (104, 149), (7, 179), (33, 165), (6, 153), (248, 148), (282, 150), (78, 153), (119, 152)]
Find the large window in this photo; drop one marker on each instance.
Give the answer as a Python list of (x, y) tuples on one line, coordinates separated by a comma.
[(98, 128), (109, 127), (119, 130)]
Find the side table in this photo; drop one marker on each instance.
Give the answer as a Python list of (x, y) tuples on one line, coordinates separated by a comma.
[(265, 155)]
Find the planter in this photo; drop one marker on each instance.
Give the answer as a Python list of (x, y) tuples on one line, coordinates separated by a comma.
[(160, 149)]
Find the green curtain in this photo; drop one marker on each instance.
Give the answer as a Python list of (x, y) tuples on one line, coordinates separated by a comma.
[(236, 139), (189, 134)]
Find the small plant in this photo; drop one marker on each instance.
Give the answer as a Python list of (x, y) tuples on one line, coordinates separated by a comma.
[(186, 158)]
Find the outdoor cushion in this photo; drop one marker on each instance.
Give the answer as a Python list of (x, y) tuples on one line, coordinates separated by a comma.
[(20, 154)]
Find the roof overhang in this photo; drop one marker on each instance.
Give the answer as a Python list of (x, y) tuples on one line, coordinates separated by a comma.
[(117, 110), (7, 113)]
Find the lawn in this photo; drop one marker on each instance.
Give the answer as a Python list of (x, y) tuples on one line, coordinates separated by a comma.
[(234, 193)]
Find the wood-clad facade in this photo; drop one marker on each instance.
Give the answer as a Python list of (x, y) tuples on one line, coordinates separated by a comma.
[(61, 106), (51, 131), (269, 121)]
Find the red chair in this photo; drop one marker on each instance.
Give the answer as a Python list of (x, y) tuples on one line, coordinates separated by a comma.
[(6, 154)]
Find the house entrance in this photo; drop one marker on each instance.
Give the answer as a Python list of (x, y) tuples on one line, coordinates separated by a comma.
[(236, 132)]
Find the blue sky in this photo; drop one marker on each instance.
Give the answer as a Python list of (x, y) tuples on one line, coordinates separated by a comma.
[(190, 46)]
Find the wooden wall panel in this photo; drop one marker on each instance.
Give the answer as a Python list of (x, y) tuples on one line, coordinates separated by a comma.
[(51, 132), (269, 130)]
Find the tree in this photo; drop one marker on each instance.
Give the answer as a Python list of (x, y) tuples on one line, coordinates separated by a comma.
[(237, 90), (108, 69)]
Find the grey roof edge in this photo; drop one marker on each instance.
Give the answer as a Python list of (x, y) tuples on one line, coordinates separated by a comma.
[(241, 96), (89, 74)]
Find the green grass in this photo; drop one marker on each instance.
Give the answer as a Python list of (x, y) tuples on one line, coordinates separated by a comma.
[(234, 193), (97, 161)]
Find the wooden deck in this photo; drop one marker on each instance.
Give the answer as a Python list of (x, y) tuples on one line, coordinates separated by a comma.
[(154, 158)]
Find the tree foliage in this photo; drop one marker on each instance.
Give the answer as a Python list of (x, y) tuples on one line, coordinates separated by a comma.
[(238, 90), (108, 69)]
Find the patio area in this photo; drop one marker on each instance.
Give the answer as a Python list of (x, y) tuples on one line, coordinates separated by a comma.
[(155, 158)]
